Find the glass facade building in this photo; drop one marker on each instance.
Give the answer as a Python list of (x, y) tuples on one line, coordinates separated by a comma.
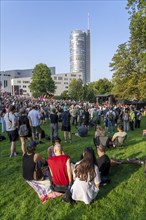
[(80, 54)]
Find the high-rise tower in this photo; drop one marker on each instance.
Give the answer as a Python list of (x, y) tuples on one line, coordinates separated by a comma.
[(80, 53)]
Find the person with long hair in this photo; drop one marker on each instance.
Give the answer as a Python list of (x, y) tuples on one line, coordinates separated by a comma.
[(23, 119), (86, 178)]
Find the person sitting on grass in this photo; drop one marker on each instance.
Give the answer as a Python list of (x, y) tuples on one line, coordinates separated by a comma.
[(50, 150), (60, 169), (119, 137), (104, 164), (86, 178), (29, 160), (82, 131), (100, 137)]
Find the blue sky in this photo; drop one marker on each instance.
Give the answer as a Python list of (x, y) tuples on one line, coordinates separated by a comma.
[(34, 32)]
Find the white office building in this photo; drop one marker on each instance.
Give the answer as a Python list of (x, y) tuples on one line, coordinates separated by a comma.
[(7, 76), (20, 86)]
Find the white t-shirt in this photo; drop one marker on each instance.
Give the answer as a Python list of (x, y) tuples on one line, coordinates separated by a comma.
[(11, 121), (86, 191)]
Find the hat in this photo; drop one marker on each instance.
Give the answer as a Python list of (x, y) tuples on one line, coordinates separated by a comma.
[(32, 144), (65, 108)]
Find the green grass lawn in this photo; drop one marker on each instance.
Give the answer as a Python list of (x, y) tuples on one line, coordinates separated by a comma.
[(123, 198)]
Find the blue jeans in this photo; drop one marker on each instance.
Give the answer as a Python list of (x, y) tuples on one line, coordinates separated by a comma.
[(111, 124), (53, 130)]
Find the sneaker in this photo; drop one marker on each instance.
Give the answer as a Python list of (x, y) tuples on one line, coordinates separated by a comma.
[(15, 154), (70, 141), (65, 141)]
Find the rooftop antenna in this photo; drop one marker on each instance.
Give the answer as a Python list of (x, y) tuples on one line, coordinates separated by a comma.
[(88, 21)]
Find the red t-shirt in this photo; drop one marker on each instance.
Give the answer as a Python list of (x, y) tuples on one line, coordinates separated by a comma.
[(58, 167)]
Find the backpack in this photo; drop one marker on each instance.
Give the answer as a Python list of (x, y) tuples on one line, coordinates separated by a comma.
[(139, 116), (110, 116), (126, 116), (23, 131)]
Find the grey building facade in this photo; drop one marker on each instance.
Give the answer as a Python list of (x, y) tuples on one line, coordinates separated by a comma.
[(80, 53)]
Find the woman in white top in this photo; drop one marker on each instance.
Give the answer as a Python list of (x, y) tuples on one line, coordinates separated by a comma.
[(87, 178)]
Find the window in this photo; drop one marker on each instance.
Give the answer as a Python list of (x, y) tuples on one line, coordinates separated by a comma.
[(24, 86), (5, 83), (18, 81), (59, 78), (25, 81), (57, 82), (66, 87), (55, 78), (65, 78), (66, 83)]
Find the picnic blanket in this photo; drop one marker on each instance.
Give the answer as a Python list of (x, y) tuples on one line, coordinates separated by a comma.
[(42, 188)]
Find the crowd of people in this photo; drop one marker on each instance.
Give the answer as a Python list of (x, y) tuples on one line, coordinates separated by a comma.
[(23, 118)]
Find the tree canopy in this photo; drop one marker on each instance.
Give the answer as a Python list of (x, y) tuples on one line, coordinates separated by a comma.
[(76, 90), (42, 82), (129, 61)]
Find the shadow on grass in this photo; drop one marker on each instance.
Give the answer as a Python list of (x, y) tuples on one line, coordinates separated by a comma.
[(133, 142), (118, 174)]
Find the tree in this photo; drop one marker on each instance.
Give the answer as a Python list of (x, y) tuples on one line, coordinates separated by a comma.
[(103, 86), (42, 82), (92, 89), (64, 95), (129, 61), (123, 76), (76, 90), (88, 94)]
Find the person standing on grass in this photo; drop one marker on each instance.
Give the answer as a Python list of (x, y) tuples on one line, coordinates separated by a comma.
[(11, 128), (23, 119), (126, 119), (53, 124), (3, 112), (66, 127), (34, 117), (110, 115), (132, 119), (86, 118)]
